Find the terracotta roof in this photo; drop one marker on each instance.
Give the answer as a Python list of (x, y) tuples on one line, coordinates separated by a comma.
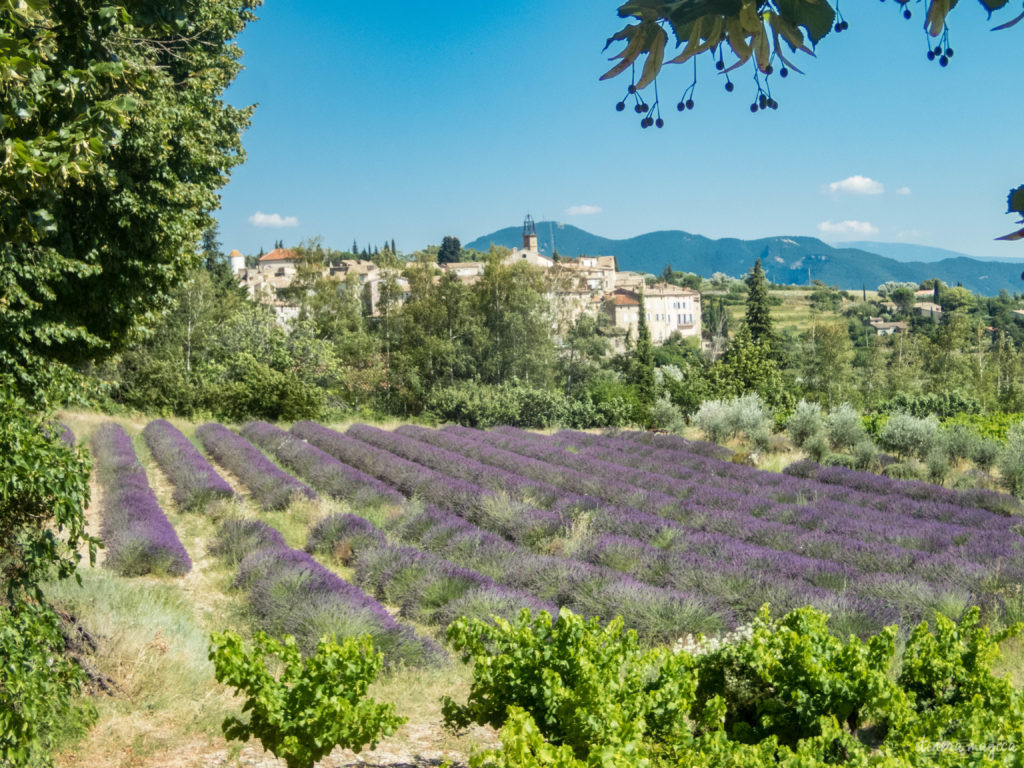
[(280, 254), (234, 253), (624, 300)]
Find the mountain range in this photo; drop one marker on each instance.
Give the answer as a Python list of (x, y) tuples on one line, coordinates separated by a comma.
[(786, 260)]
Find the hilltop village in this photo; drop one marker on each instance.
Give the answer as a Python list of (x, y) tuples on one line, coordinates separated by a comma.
[(583, 285)]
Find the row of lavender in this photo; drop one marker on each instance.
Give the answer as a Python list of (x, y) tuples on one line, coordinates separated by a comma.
[(869, 577), (137, 535)]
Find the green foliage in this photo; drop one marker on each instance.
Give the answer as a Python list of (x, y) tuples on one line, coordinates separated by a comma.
[(313, 705), (908, 435), (573, 693), (993, 425), (1010, 461), (480, 405), (806, 421), (44, 490), (943, 405), (844, 427), (720, 420), (116, 141), (39, 688), (758, 313), (641, 371), (584, 684)]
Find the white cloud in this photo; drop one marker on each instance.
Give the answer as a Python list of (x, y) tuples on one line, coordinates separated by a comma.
[(272, 220), (857, 185), (903, 191), (848, 227), (582, 210)]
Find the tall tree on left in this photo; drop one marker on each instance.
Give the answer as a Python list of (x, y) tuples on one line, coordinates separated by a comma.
[(113, 142)]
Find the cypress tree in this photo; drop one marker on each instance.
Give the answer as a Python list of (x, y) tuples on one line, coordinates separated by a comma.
[(759, 318), (643, 359)]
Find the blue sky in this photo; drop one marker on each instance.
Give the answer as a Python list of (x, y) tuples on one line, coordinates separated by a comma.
[(418, 120)]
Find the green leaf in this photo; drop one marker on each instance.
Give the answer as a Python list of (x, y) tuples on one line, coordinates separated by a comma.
[(1015, 201), (816, 16)]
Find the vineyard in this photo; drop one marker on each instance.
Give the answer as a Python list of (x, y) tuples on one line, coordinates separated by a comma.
[(413, 529)]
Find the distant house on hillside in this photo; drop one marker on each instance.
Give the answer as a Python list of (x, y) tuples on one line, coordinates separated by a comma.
[(669, 309), (1018, 313), (929, 309), (924, 293), (464, 268), (280, 261), (884, 328)]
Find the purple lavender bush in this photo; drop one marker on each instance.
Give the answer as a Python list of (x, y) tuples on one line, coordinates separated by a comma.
[(195, 481), (270, 486), (290, 593), (139, 538), (321, 470)]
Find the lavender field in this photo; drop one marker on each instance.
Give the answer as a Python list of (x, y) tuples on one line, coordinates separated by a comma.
[(665, 532)]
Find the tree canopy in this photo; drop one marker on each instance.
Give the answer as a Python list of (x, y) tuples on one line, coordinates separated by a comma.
[(113, 143), (767, 34)]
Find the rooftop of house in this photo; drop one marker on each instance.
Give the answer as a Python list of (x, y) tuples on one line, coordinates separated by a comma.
[(666, 289), (279, 254), (927, 306)]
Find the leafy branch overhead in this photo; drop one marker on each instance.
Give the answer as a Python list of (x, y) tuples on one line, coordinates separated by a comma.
[(764, 33)]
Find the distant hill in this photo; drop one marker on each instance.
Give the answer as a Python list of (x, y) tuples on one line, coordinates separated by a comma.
[(787, 260)]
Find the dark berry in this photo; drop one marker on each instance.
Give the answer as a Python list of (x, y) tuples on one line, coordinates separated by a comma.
[(729, 86), (762, 101), (906, 13), (943, 61), (949, 53), (938, 50), (660, 123), (620, 106), (643, 123), (638, 108), (931, 55), (720, 65), (769, 69), (681, 106), (846, 25), (689, 103), (773, 104), (632, 88), (753, 107), (839, 27), (783, 72)]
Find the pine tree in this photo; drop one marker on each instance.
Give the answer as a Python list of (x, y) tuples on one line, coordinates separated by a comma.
[(759, 317)]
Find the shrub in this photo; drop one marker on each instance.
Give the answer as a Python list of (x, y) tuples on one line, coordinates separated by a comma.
[(747, 414), (1011, 461), (816, 447), (666, 416), (712, 420), (844, 426), (865, 455), (937, 464), (984, 453), (785, 691), (313, 705), (908, 435), (960, 441), (805, 422)]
